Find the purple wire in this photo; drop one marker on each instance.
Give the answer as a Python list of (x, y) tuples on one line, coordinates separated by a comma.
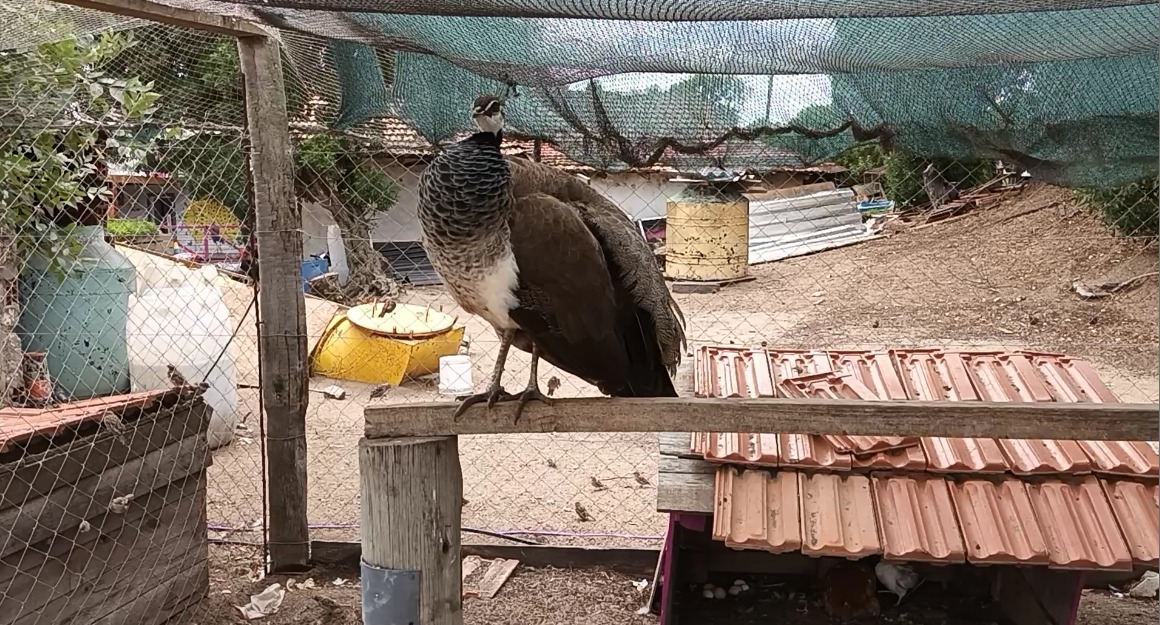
[(217, 527)]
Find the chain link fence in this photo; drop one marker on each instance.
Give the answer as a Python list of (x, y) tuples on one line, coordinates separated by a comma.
[(128, 271)]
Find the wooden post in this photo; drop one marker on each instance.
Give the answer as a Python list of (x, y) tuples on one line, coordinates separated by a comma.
[(281, 302), (412, 506)]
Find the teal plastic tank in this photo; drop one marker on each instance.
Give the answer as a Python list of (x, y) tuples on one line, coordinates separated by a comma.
[(79, 318)]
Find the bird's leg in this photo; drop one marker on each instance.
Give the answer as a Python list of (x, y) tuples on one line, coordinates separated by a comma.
[(494, 392), (533, 389)]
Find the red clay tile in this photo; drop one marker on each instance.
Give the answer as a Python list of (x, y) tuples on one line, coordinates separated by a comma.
[(844, 386), (1071, 379), (1131, 458), (1035, 456), (732, 372), (795, 363), (963, 455), (1137, 508), (930, 375), (1004, 377), (1079, 526), (998, 522), (756, 510), (907, 458), (916, 519), (20, 424), (757, 449), (876, 370), (838, 516), (807, 451)]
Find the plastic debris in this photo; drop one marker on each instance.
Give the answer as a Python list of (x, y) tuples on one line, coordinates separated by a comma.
[(264, 603)]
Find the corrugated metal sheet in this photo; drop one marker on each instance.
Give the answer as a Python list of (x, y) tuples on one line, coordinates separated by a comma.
[(916, 519), (1049, 509), (786, 227), (837, 516), (999, 525)]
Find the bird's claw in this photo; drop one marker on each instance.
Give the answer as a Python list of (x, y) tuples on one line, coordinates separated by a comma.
[(526, 396), (492, 397)]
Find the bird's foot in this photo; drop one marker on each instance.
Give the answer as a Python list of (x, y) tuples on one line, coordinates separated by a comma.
[(491, 396), (527, 395)]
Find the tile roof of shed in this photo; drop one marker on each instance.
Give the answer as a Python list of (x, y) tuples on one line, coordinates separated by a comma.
[(1065, 504)]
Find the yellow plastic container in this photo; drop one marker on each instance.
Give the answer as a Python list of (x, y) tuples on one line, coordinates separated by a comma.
[(364, 344), (707, 240)]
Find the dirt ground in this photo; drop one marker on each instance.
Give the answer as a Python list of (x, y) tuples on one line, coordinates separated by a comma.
[(996, 277), (584, 596)]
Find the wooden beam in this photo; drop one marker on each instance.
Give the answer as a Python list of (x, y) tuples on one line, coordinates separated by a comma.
[(281, 302), (174, 16), (412, 508), (799, 416)]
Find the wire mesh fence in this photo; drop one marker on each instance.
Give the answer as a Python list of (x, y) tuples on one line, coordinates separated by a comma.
[(130, 272)]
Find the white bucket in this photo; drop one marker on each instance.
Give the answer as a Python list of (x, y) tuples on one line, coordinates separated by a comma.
[(455, 375)]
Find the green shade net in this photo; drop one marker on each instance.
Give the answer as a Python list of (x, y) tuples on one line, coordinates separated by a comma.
[(1068, 90)]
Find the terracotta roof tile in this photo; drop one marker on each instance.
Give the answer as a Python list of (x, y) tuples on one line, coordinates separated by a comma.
[(1000, 377), (998, 522), (844, 386), (876, 370), (789, 363), (963, 455), (810, 452), (1131, 458), (1079, 526), (907, 458), (20, 424), (756, 510), (731, 372), (1071, 379), (838, 516), (757, 449), (1034, 456), (1137, 508), (930, 375), (916, 519)]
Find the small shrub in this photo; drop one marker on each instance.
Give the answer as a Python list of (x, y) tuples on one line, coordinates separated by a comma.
[(1132, 210), (121, 228)]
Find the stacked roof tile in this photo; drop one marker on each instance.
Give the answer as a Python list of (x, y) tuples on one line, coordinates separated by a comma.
[(1083, 505)]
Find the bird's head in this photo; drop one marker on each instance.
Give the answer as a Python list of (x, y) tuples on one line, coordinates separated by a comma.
[(487, 113)]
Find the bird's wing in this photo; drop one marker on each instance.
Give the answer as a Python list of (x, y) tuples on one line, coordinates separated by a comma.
[(567, 299), (635, 265)]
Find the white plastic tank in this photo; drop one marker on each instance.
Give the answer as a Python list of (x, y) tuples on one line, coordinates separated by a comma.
[(183, 321)]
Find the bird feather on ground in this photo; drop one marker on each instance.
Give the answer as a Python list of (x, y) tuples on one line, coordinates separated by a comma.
[(555, 267)]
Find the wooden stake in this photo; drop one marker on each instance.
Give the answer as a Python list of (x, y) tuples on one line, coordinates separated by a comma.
[(281, 302), (412, 507)]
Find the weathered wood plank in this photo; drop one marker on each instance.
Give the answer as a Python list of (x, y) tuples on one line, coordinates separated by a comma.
[(184, 18), (1127, 422), (412, 507), (37, 476), (671, 464), (169, 597), (685, 492), (281, 302), (676, 444), (143, 558), (65, 507), (59, 567)]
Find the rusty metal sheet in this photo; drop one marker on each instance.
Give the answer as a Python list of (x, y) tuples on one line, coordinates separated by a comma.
[(1129, 458), (757, 510), (916, 519), (1137, 508), (929, 375), (732, 372), (1079, 526), (998, 522), (963, 455), (875, 369), (838, 517), (1036, 456)]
